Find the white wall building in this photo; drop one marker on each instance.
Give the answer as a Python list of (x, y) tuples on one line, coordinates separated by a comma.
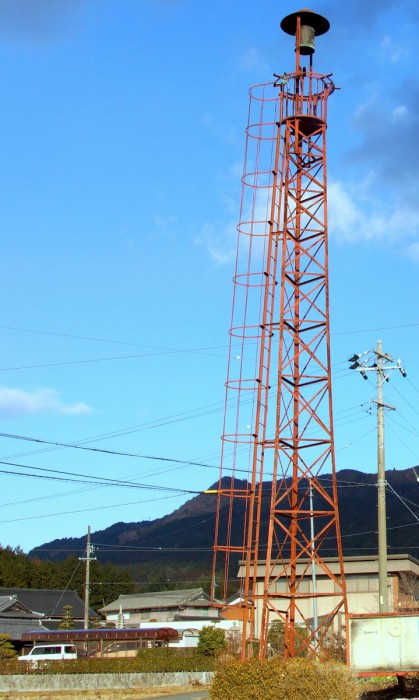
[(361, 576), (187, 611)]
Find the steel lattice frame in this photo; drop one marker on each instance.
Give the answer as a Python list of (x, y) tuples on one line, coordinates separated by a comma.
[(279, 378)]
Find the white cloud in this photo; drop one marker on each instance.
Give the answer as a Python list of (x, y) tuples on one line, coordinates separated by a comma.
[(76, 409), (413, 252), (220, 241), (400, 112), (225, 130), (164, 222), (169, 3), (389, 51), (355, 215), (39, 20), (388, 124), (16, 402), (251, 60)]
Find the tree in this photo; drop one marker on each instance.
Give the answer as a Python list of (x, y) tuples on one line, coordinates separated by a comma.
[(67, 623), (335, 647), (211, 641), (409, 591), (276, 636), (107, 581), (276, 639), (7, 650)]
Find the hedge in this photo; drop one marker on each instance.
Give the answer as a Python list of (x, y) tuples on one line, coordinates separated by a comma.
[(284, 679), (146, 661)]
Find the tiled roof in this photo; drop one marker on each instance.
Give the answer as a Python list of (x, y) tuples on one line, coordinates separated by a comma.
[(10, 606), (161, 599), (20, 615), (15, 628), (48, 602), (6, 601), (195, 618)]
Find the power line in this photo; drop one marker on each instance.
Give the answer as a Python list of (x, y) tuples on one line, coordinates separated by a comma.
[(88, 510), (402, 500), (102, 340), (102, 450), (382, 328), (87, 479), (168, 420), (152, 424), (108, 359), (122, 342)]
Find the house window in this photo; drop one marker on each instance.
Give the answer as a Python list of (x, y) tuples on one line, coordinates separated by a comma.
[(361, 583), (282, 586)]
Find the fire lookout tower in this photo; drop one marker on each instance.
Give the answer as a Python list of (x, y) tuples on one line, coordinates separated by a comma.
[(276, 515)]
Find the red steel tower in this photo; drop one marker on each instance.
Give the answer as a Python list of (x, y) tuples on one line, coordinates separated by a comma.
[(277, 515)]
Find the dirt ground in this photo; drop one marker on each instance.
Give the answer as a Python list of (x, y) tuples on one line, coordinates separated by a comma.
[(96, 694), (406, 687)]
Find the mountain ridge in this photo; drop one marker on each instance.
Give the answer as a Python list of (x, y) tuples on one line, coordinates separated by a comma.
[(182, 540)]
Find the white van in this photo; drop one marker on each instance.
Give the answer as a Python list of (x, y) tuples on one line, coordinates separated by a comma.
[(50, 652)]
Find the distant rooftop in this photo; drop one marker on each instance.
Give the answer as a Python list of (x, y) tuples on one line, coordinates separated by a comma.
[(160, 599)]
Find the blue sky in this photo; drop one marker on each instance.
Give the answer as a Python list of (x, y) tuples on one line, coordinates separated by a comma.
[(122, 142)]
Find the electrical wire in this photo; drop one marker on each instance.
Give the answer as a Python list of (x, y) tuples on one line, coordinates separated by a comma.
[(402, 500), (88, 510), (107, 359), (80, 444), (66, 588), (397, 436), (103, 340), (88, 479), (403, 397), (382, 328), (102, 450), (121, 342), (168, 420), (119, 547)]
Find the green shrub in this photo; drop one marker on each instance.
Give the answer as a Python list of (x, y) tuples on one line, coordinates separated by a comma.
[(211, 641), (283, 679), (7, 650), (276, 639)]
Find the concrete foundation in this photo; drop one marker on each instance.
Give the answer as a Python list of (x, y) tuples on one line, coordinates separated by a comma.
[(102, 681)]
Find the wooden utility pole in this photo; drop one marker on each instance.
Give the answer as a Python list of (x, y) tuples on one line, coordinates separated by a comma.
[(88, 558), (382, 367)]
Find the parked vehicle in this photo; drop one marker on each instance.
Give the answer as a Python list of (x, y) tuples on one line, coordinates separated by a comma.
[(50, 652)]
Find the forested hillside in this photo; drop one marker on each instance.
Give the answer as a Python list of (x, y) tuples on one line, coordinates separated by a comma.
[(107, 581), (176, 551)]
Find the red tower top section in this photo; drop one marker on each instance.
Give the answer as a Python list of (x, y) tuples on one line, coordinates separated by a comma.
[(305, 26), (304, 93)]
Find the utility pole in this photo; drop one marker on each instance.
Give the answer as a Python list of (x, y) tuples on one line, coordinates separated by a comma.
[(313, 571), (88, 558), (382, 368)]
